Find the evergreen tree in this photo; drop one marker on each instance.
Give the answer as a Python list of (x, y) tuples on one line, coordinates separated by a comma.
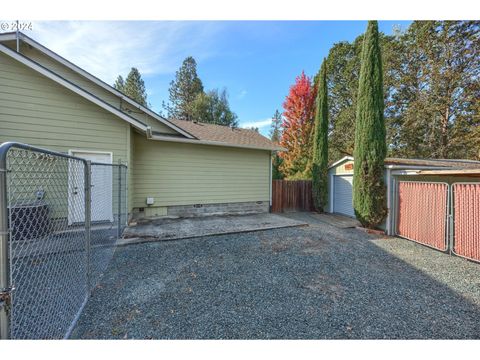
[(275, 136), (343, 71), (276, 165), (212, 107), (184, 90), (276, 127), (430, 84), (437, 90), (369, 191), (133, 86), (320, 143), (119, 83)]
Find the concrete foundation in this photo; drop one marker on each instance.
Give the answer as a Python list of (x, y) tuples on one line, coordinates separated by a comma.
[(200, 210)]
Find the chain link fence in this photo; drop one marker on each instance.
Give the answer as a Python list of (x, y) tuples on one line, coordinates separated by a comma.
[(60, 217), (465, 232), (422, 213)]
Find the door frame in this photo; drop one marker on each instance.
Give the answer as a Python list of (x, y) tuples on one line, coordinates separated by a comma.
[(72, 152)]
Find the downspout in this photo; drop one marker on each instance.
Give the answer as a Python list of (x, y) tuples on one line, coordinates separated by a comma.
[(18, 39), (148, 132)]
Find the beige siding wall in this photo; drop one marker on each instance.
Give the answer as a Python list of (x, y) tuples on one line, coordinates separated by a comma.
[(183, 174), (342, 168), (91, 87)]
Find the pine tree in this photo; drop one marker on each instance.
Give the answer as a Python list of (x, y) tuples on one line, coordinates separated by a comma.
[(184, 90), (320, 143), (119, 83), (275, 136), (212, 107), (133, 86), (370, 144), (276, 127)]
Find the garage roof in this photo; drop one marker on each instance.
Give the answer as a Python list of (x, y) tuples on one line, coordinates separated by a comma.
[(447, 163), (457, 163)]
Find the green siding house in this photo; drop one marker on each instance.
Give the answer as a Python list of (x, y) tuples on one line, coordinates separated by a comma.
[(185, 168)]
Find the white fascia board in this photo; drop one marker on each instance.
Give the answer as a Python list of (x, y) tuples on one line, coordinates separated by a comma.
[(203, 142), (8, 37), (412, 170), (70, 86), (336, 163), (100, 83)]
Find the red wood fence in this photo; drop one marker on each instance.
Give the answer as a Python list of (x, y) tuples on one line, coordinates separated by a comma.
[(292, 195)]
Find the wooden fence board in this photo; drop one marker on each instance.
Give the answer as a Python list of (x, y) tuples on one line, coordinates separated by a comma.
[(292, 195)]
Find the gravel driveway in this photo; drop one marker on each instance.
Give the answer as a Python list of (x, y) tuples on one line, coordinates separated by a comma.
[(311, 282)]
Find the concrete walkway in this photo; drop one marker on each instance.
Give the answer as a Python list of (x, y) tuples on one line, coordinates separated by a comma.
[(172, 229), (337, 220)]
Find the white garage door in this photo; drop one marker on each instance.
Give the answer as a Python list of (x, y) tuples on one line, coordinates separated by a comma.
[(343, 195)]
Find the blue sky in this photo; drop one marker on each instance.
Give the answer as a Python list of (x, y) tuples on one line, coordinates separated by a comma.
[(256, 61)]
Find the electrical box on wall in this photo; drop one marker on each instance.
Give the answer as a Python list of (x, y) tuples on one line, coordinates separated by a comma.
[(150, 200)]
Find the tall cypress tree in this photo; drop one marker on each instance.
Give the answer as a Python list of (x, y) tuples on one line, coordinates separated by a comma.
[(370, 144), (320, 143)]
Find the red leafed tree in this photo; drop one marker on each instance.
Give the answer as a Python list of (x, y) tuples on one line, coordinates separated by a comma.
[(299, 108)]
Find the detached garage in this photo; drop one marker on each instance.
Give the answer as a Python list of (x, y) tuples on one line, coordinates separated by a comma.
[(340, 183)]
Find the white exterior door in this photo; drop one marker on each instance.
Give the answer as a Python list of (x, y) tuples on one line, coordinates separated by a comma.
[(101, 190), (343, 195)]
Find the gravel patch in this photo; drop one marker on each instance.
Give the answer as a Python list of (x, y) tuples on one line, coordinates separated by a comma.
[(314, 282)]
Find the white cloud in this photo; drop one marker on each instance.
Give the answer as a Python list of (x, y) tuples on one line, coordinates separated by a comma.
[(242, 94), (257, 123), (109, 48)]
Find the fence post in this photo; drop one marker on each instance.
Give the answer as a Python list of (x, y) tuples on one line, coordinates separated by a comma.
[(450, 214), (88, 218), (5, 300), (119, 215)]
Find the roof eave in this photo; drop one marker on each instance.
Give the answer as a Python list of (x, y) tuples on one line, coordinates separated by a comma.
[(94, 79), (336, 163), (69, 85), (152, 136)]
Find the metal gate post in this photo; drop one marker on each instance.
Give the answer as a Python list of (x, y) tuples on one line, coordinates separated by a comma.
[(5, 291), (88, 219), (450, 219), (119, 215)]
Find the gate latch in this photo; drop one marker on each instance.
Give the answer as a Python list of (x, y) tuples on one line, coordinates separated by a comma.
[(6, 297)]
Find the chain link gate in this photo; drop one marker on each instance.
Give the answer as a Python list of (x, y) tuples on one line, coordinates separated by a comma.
[(466, 220), (422, 213), (60, 217)]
